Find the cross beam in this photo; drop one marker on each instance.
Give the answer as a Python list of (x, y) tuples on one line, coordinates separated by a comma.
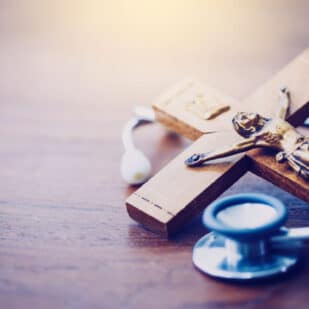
[(177, 193)]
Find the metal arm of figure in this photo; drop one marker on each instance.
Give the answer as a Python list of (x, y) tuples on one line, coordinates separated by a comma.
[(284, 103), (259, 131), (199, 159)]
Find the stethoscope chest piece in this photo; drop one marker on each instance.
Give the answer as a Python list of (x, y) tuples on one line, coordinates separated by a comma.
[(247, 239)]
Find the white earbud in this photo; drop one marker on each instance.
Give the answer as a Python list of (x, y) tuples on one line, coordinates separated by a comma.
[(135, 166)]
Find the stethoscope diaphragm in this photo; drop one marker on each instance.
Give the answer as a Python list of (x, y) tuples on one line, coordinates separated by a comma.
[(247, 239)]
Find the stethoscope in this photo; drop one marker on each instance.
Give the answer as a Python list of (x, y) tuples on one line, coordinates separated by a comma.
[(242, 249)]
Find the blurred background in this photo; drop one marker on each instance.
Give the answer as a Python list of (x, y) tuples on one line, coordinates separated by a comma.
[(116, 52)]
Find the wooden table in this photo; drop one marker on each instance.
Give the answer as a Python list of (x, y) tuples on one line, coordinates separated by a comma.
[(70, 74)]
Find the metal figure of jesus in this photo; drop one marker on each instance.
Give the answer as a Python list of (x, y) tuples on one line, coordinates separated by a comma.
[(259, 131)]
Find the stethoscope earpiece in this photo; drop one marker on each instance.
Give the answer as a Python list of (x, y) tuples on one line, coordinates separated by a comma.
[(135, 166), (248, 240)]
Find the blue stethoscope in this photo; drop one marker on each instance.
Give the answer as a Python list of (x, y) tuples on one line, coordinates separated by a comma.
[(241, 248)]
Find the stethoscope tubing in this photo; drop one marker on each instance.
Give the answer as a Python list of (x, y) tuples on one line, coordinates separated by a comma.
[(145, 116)]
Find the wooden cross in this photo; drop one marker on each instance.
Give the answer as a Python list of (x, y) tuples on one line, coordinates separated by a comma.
[(177, 193)]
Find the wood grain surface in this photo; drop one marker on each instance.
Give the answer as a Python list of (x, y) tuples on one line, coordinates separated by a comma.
[(71, 72)]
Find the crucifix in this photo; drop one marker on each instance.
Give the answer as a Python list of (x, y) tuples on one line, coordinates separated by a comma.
[(179, 192)]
